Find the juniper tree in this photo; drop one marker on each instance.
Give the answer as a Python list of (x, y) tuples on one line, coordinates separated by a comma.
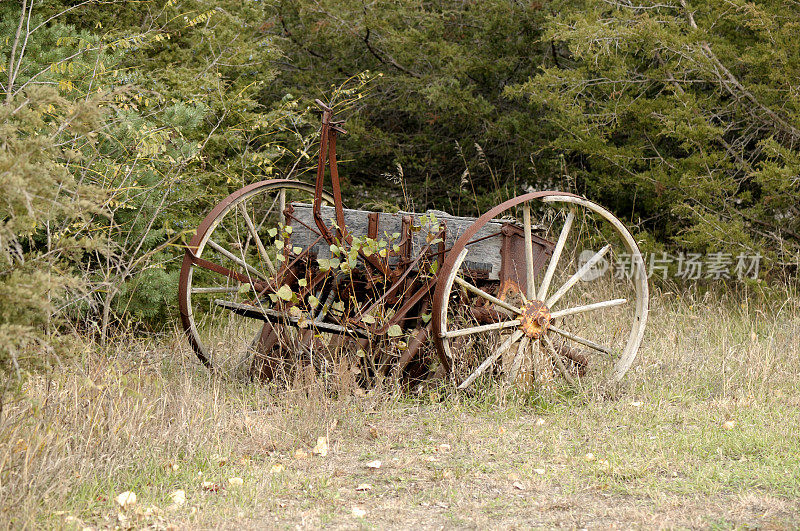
[(684, 117), (119, 130)]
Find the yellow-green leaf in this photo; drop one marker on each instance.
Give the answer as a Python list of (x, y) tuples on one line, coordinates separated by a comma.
[(284, 292)]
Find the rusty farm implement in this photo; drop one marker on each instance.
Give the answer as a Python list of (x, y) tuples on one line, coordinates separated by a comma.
[(282, 281)]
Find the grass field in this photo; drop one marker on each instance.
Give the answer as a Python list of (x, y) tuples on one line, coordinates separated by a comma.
[(703, 433)]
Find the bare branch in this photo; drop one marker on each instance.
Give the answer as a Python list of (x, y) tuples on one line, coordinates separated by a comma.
[(14, 52), (388, 59), (729, 82)]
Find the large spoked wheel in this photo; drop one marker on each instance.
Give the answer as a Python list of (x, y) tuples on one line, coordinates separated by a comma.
[(577, 320), (231, 267)]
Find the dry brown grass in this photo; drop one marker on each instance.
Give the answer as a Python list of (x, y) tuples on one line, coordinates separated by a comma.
[(119, 420)]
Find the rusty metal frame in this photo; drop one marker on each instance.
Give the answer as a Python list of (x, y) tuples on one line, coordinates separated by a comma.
[(413, 295), (398, 276)]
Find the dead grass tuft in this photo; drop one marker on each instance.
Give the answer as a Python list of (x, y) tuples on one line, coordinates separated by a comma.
[(145, 417)]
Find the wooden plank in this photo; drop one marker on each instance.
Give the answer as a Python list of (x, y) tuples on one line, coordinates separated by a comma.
[(484, 256), (265, 314)]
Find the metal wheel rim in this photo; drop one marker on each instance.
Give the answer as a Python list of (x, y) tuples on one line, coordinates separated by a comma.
[(199, 241), (456, 256)]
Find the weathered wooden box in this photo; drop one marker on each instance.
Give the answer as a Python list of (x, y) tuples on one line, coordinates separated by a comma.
[(497, 253)]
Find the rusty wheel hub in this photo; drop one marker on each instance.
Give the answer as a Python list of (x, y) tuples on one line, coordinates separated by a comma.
[(535, 319)]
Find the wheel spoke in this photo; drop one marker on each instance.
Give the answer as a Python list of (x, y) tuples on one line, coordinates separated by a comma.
[(263, 219), (254, 234), (577, 276), (491, 298), (588, 308), (483, 328), (269, 211), (227, 254), (519, 357), (551, 267), (216, 289), (558, 361), (491, 359), (282, 203), (579, 339), (526, 221)]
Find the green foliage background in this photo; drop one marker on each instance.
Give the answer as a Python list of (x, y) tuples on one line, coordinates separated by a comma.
[(122, 123)]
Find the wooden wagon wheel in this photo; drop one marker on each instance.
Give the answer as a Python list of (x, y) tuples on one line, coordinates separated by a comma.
[(581, 318), (233, 264)]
